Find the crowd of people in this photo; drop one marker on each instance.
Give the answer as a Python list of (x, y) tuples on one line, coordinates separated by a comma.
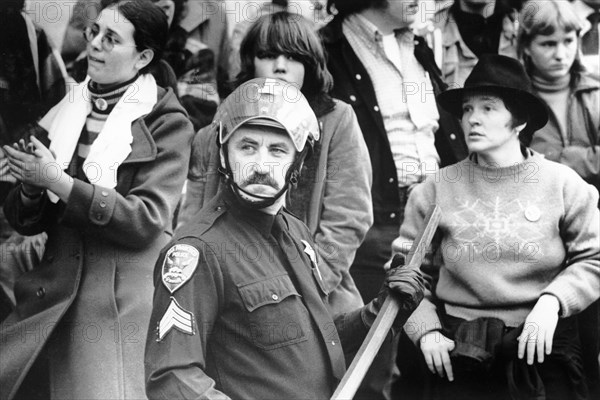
[(193, 209)]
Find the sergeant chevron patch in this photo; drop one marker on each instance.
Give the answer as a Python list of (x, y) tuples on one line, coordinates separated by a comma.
[(175, 317)]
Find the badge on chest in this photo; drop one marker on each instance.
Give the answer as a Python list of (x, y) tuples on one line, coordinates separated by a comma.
[(312, 255)]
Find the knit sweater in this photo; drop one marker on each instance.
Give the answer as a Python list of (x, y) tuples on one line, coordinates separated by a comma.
[(506, 236)]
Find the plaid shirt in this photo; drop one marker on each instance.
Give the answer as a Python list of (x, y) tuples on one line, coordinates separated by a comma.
[(404, 94)]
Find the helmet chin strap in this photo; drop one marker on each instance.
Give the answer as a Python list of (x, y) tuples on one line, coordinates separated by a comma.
[(291, 177)]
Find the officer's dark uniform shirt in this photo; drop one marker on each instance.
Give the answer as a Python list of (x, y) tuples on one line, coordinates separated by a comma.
[(239, 311)]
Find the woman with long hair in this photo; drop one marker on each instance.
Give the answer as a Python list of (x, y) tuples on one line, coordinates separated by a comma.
[(101, 175)]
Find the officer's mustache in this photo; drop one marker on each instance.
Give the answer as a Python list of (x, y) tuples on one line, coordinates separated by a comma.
[(261, 179)]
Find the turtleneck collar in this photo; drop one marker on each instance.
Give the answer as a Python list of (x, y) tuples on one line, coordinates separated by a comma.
[(104, 99), (546, 86)]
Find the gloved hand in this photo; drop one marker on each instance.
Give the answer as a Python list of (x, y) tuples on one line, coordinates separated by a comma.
[(406, 285)]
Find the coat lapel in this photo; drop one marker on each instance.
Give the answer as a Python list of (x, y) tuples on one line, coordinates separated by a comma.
[(364, 86), (143, 147)]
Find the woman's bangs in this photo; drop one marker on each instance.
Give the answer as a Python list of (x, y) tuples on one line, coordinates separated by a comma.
[(279, 37), (550, 19)]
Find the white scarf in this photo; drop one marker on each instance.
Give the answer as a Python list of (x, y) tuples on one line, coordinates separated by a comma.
[(65, 121)]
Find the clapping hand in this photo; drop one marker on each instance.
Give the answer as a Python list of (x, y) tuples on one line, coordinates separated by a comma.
[(33, 164)]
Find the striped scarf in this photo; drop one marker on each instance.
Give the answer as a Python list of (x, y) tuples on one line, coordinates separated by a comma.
[(66, 121), (103, 102)]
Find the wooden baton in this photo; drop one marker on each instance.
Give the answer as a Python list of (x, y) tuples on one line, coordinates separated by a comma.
[(387, 314)]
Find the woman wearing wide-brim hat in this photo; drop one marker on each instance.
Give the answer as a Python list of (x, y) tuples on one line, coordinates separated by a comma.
[(517, 251)]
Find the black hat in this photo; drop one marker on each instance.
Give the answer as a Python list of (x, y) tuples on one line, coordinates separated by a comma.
[(505, 77)]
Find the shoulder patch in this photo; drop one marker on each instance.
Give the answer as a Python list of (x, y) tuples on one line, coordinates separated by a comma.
[(179, 265)]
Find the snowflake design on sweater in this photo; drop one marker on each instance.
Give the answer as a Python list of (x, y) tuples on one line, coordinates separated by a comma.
[(497, 225)]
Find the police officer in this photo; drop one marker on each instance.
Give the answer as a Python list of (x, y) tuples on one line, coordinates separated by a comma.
[(239, 305)]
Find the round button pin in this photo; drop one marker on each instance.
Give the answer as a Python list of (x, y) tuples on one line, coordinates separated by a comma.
[(101, 104), (532, 213)]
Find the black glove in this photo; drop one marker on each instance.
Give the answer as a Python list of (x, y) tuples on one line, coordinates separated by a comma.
[(406, 285)]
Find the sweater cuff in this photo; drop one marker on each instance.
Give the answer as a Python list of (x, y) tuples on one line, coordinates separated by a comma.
[(567, 298), (423, 320)]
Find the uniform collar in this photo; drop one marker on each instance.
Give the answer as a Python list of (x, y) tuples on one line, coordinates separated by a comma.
[(261, 221)]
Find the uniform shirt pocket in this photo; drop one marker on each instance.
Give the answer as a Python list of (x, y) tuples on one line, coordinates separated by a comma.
[(276, 314)]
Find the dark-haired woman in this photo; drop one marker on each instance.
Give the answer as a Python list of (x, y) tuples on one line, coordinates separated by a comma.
[(333, 195), (102, 177), (517, 254)]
